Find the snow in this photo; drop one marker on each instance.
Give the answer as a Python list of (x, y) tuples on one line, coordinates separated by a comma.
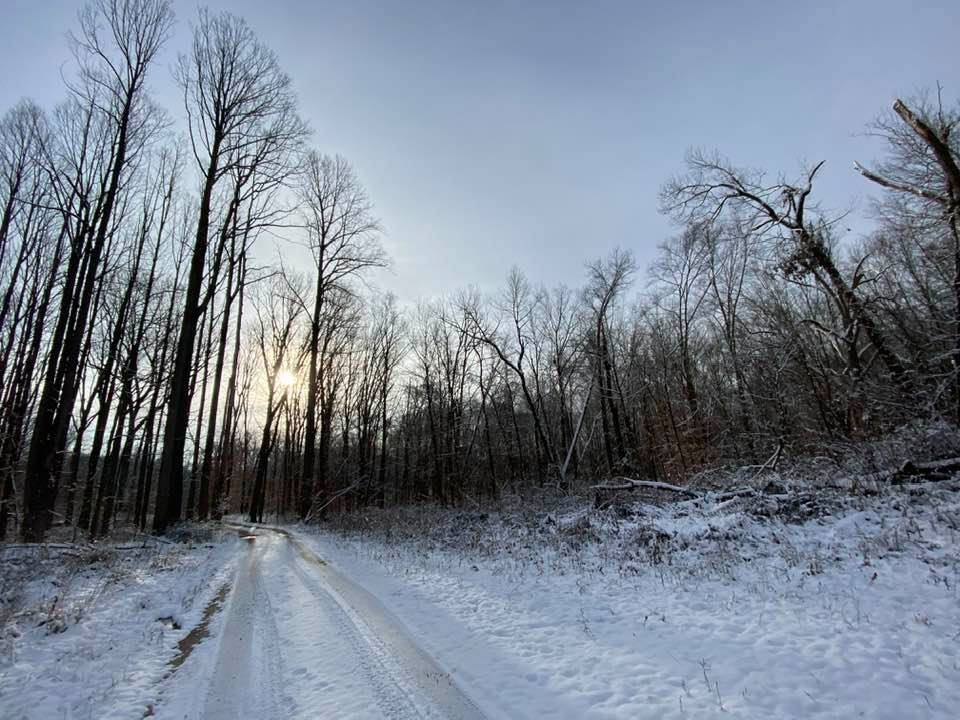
[(685, 611), (239, 628), (297, 640), (94, 638), (795, 605)]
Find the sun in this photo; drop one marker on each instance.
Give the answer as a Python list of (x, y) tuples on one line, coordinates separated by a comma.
[(286, 378)]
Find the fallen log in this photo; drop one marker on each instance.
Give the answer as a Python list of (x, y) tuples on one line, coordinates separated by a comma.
[(772, 461), (605, 493), (914, 472), (630, 484), (44, 547)]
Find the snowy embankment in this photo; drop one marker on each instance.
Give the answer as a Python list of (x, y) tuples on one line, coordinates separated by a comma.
[(92, 630), (773, 605)]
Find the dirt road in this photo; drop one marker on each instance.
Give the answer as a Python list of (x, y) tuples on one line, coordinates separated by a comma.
[(298, 639)]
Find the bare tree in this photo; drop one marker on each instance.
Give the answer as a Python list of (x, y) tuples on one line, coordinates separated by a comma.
[(924, 166), (276, 311), (236, 98), (608, 278), (561, 321), (29, 263), (713, 185), (511, 345), (682, 270), (343, 237), (389, 334), (733, 258), (118, 42)]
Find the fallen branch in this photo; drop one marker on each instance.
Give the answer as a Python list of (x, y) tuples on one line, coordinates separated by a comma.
[(629, 485), (316, 510), (911, 472), (772, 461), (720, 507), (44, 547)]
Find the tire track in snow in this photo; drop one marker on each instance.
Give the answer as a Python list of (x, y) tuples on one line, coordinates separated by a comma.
[(270, 660), (248, 670), (299, 639), (373, 661), (428, 686)]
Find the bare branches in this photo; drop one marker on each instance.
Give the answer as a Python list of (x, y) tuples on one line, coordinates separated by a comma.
[(923, 160), (890, 184), (241, 106), (342, 232), (938, 144), (713, 185)]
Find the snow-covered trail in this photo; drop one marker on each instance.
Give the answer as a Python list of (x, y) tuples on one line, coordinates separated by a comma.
[(299, 639)]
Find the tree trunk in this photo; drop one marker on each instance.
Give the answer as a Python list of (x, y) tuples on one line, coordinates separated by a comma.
[(170, 480)]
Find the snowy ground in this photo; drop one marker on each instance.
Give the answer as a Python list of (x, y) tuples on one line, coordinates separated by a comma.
[(773, 605), (819, 606), (91, 631), (254, 625), (299, 640)]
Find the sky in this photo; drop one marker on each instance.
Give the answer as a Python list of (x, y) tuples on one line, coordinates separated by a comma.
[(537, 134)]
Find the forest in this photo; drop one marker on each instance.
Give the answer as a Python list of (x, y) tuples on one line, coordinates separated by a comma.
[(189, 329)]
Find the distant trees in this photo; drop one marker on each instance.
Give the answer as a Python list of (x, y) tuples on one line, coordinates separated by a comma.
[(343, 237), (274, 333), (156, 364)]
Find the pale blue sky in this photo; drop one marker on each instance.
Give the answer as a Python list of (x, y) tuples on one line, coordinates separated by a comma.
[(537, 133)]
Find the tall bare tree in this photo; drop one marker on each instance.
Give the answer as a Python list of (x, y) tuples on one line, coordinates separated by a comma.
[(117, 44), (343, 236), (236, 97), (924, 167)]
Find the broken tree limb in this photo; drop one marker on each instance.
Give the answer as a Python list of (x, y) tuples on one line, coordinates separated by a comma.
[(315, 511), (576, 434), (912, 472), (624, 484), (772, 461)]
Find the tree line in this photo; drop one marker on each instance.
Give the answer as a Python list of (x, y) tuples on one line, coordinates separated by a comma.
[(154, 367)]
